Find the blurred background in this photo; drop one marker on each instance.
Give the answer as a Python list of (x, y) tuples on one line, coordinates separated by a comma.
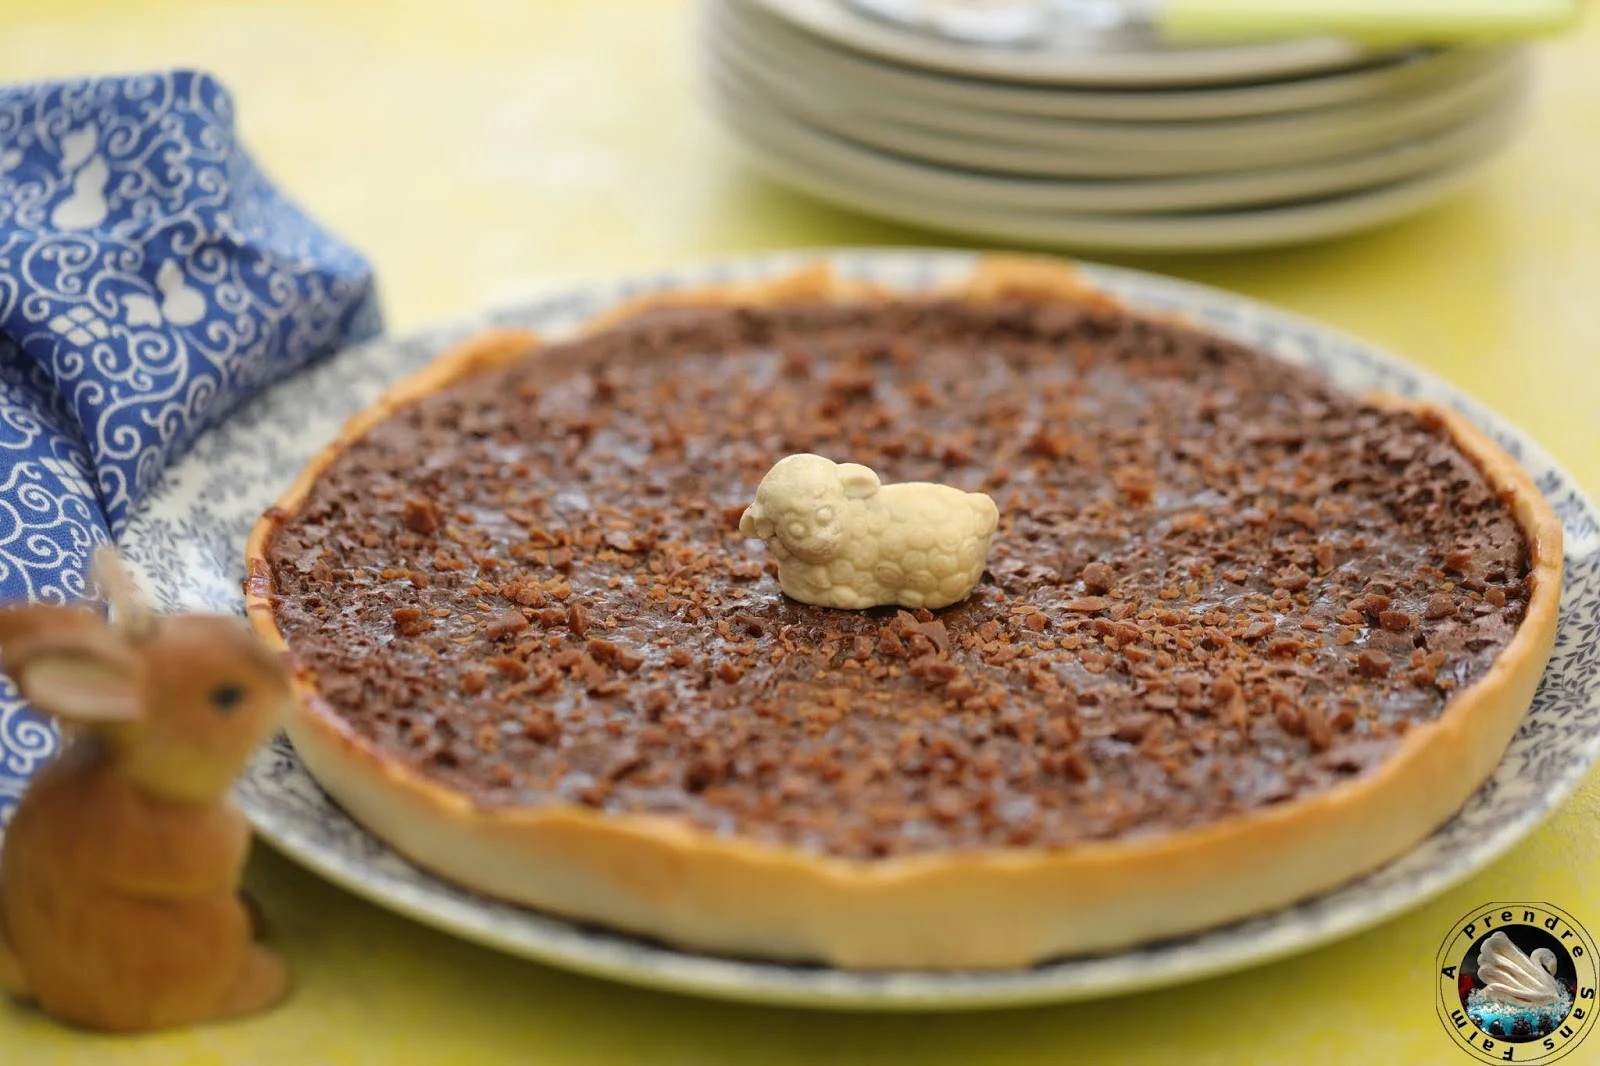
[(481, 149)]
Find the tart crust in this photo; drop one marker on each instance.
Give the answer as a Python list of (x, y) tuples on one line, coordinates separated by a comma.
[(994, 908)]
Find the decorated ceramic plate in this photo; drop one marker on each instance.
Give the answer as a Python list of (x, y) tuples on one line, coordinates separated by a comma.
[(188, 543)]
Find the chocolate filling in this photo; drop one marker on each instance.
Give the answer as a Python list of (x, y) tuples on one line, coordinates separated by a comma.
[(1218, 582)]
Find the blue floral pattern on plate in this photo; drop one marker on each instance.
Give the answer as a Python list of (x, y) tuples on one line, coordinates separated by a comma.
[(187, 542)]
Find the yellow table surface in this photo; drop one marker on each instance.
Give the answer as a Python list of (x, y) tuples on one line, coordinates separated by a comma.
[(479, 149)]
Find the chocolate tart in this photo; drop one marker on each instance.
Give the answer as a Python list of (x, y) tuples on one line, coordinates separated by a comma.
[(1242, 636)]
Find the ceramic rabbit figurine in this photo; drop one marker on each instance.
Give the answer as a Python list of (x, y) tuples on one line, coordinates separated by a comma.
[(119, 873)]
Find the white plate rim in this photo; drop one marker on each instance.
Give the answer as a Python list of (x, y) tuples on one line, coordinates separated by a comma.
[(1475, 140), (1067, 148), (960, 176), (155, 542), (1177, 233), (749, 25), (848, 28)]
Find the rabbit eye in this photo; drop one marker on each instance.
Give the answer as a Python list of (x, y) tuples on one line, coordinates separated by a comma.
[(825, 514), (797, 529), (226, 697)]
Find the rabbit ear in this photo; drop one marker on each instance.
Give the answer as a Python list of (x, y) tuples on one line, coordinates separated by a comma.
[(23, 623), (87, 676), (130, 613), (859, 481)]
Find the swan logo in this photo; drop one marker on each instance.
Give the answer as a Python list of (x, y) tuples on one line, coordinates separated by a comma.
[(1517, 983)]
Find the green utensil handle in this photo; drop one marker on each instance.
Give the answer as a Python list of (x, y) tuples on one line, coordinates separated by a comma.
[(1433, 21)]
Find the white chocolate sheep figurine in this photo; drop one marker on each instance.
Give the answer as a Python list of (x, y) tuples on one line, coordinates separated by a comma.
[(844, 539)]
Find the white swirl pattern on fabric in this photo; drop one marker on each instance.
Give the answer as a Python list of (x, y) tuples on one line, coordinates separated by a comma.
[(151, 280)]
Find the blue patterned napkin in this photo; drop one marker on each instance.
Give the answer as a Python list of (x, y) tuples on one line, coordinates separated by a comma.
[(151, 280)]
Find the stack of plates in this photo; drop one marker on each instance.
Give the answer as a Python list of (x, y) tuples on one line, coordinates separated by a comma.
[(1106, 141)]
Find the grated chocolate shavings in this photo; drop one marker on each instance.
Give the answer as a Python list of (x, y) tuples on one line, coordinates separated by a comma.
[(1219, 583)]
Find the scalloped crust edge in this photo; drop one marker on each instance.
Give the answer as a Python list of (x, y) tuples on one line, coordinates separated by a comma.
[(985, 909)]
